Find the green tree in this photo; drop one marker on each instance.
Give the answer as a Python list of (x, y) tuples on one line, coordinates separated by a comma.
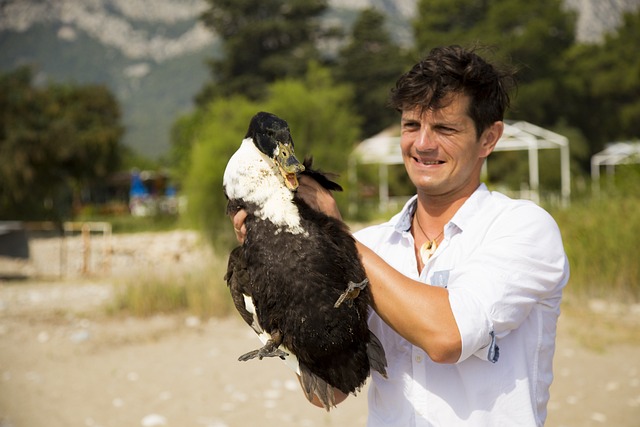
[(263, 40), (535, 36), (321, 121), (626, 89), (215, 138), (532, 35), (445, 22), (371, 62), (53, 141), (603, 83), (183, 135), (320, 115)]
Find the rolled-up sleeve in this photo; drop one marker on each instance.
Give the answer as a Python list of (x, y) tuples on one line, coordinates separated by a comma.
[(475, 326), (520, 264)]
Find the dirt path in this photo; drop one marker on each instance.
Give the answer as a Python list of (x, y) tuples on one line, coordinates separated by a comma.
[(91, 371), (63, 364)]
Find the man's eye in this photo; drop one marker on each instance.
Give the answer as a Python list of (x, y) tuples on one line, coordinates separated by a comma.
[(446, 130)]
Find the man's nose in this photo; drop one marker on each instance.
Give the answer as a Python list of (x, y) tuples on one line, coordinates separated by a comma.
[(426, 140)]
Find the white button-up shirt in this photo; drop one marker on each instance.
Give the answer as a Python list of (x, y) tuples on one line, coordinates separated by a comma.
[(504, 266)]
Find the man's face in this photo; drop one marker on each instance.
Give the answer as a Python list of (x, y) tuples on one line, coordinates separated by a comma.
[(442, 154)]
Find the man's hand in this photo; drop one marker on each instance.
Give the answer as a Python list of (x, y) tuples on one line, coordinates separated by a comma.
[(238, 225)]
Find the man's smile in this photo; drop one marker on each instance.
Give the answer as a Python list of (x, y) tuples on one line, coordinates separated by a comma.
[(427, 162)]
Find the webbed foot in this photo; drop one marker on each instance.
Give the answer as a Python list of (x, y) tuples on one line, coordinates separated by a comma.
[(352, 292), (270, 349), (261, 353)]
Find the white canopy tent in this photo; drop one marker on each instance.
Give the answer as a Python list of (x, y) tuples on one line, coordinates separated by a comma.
[(618, 153), (384, 149)]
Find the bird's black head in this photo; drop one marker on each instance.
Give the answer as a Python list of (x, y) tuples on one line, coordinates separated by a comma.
[(271, 135)]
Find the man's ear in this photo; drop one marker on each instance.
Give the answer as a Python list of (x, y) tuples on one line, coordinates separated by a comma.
[(490, 138)]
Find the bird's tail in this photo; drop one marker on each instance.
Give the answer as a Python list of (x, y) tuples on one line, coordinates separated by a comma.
[(313, 385), (349, 373), (376, 355)]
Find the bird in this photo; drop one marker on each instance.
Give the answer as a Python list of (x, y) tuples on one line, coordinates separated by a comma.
[(297, 278)]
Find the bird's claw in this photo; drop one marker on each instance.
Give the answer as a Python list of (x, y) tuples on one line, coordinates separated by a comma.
[(269, 350)]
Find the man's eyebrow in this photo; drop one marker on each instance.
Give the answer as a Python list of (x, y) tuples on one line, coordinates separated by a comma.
[(409, 120)]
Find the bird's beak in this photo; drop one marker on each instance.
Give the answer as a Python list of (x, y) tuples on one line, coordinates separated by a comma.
[(288, 164)]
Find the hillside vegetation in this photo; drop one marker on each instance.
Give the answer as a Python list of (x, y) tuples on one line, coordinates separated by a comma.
[(601, 237)]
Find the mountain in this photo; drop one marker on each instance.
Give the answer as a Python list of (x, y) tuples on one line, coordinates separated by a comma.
[(597, 17), (152, 53)]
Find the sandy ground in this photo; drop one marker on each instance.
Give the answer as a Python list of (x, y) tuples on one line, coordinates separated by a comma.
[(63, 363)]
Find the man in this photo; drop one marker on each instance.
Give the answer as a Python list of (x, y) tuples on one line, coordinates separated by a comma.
[(466, 283)]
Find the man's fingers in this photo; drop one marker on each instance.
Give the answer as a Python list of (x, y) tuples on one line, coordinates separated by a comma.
[(238, 225)]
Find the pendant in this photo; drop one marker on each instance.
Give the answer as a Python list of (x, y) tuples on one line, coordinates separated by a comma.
[(427, 249)]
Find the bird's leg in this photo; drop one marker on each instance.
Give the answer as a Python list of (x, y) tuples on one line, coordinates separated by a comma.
[(352, 292), (270, 349)]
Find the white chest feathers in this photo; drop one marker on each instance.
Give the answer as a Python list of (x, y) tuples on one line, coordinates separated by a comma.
[(251, 176)]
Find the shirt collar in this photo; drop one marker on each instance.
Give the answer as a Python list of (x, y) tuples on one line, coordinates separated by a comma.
[(470, 207), (460, 219), (404, 218)]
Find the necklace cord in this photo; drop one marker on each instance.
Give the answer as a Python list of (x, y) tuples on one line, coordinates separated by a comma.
[(429, 239), (429, 247)]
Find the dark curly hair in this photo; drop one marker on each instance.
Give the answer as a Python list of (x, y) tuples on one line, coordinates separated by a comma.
[(453, 69)]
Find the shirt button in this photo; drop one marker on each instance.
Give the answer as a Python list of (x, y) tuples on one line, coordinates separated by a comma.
[(418, 358)]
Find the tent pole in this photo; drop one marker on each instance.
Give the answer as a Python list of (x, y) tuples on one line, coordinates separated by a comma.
[(352, 178), (565, 174), (534, 175), (595, 177), (383, 189)]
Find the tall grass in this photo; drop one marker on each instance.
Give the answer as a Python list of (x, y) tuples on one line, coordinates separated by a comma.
[(136, 224), (201, 293), (602, 240)]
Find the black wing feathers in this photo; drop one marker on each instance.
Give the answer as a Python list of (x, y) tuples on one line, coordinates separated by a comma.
[(238, 280), (324, 178)]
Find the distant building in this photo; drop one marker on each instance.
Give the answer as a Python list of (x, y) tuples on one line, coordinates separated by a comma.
[(139, 193)]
